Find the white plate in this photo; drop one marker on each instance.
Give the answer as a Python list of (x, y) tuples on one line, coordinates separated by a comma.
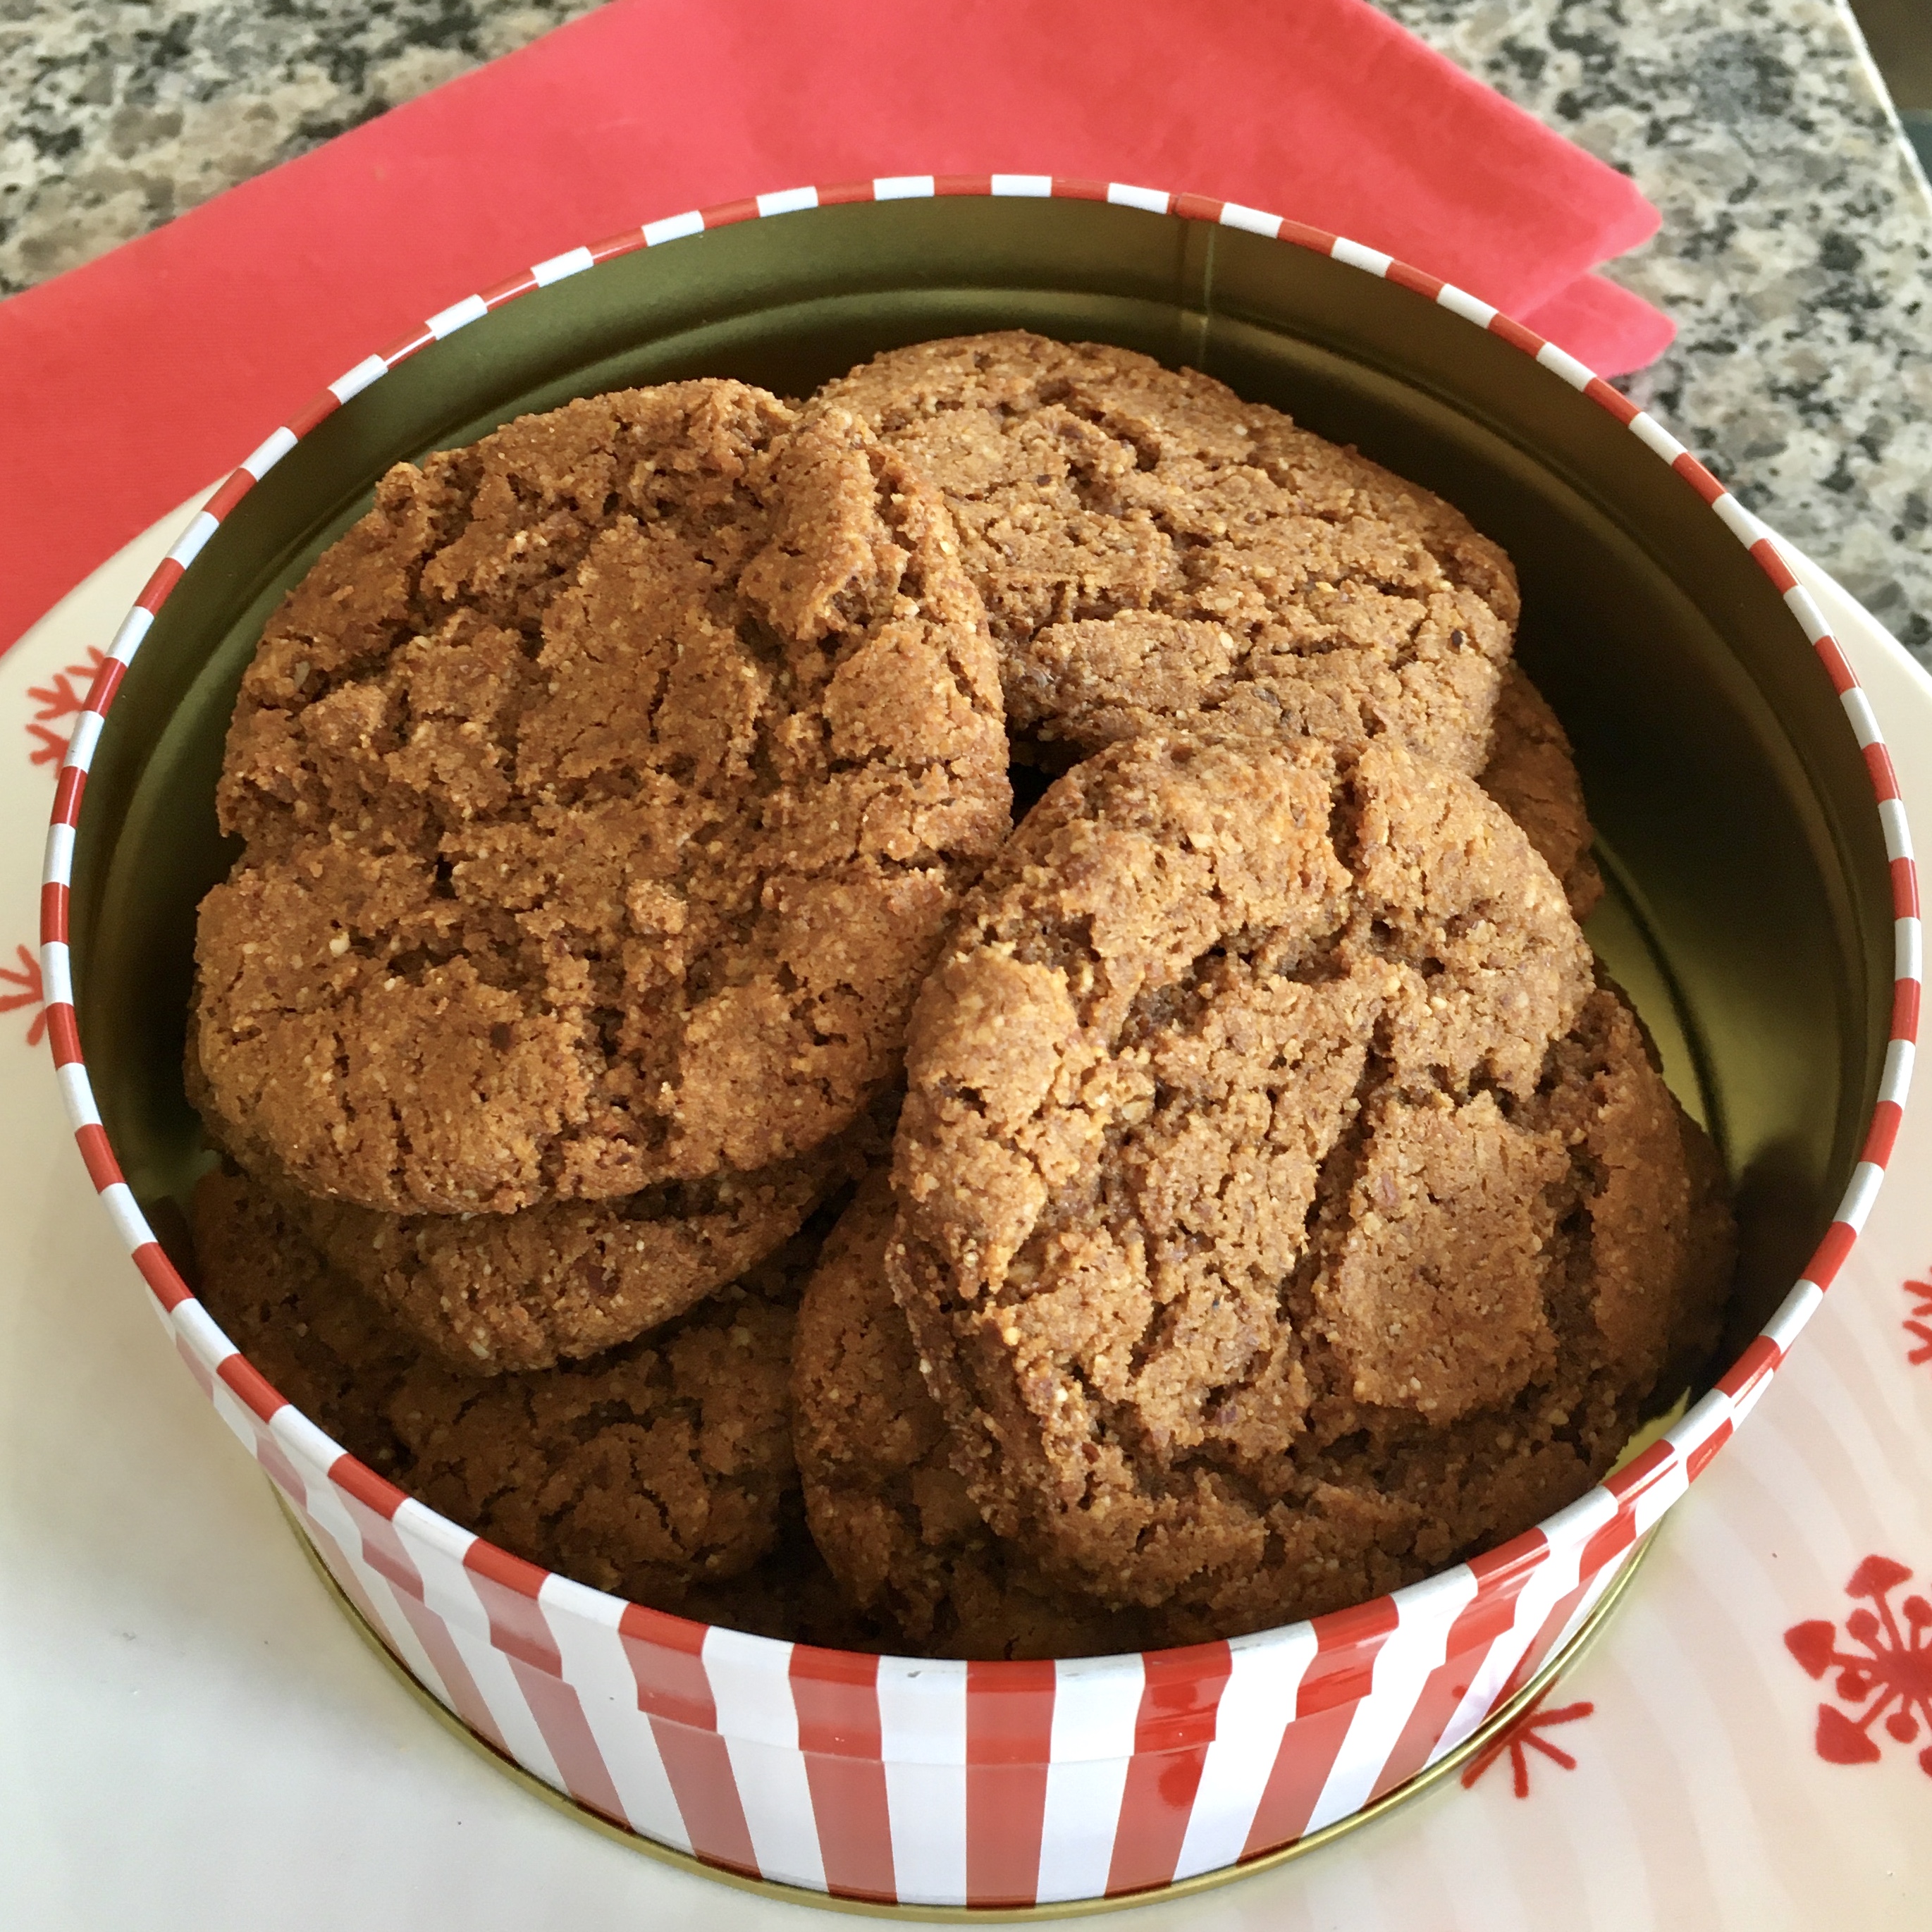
[(191, 1736)]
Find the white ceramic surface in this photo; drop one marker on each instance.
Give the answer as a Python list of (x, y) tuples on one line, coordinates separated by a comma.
[(159, 1634)]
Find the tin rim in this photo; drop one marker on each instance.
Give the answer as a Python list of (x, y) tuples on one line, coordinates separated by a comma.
[(1597, 1528)]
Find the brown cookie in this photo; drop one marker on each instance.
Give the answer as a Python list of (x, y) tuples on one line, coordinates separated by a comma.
[(1263, 1115), (1155, 554), (606, 790), (658, 1471), (563, 1280), (1532, 775), (887, 1509), (491, 1292)]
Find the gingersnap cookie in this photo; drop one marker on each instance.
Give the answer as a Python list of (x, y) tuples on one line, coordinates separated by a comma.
[(1532, 775), (1155, 554), (887, 1510), (563, 1280), (488, 1293), (658, 1472), (1264, 1094), (605, 790)]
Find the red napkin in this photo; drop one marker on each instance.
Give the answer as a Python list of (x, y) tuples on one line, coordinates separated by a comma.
[(132, 382)]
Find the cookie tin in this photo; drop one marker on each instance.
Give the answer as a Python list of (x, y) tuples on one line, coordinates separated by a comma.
[(1763, 914)]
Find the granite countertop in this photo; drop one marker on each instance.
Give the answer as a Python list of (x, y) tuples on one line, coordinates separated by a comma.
[(1794, 253)]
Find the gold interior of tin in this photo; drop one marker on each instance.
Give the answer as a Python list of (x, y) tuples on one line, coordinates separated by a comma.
[(1448, 1765)]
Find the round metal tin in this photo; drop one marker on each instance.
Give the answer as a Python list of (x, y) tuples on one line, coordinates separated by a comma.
[(1764, 915)]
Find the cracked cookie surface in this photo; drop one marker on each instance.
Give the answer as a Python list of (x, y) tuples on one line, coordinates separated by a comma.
[(887, 1509), (658, 1472), (1155, 554), (1282, 1206), (605, 791)]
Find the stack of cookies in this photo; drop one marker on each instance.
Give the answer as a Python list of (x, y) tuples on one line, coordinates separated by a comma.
[(672, 1123)]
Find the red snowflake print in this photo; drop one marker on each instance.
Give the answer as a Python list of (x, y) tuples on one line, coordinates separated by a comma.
[(1918, 1323), (1523, 1735), (58, 704), (1892, 1679), (28, 979)]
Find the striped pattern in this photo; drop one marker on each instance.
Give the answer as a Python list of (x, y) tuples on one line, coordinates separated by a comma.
[(883, 1779)]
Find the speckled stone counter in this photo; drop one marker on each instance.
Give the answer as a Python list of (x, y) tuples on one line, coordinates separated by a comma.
[(115, 115), (1794, 254)]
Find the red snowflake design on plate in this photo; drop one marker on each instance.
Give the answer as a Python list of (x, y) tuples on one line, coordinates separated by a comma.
[(57, 704), (28, 979), (1918, 1323), (1522, 1735), (1892, 1679)]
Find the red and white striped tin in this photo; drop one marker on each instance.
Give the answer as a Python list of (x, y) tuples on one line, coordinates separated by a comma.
[(910, 1781)]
